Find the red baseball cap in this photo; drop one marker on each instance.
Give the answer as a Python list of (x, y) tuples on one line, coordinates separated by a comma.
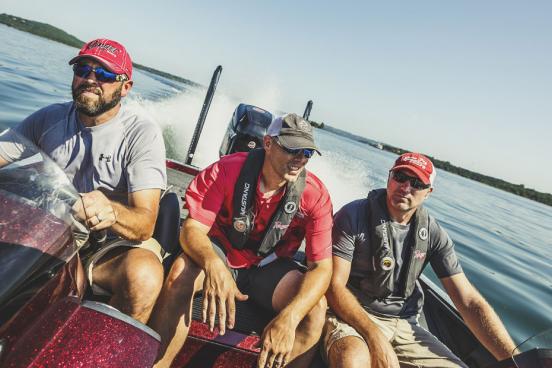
[(109, 53), (418, 164)]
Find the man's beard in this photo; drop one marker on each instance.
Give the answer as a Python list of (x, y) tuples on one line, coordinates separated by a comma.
[(95, 108)]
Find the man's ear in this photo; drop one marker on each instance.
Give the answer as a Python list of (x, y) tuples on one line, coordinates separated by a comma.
[(267, 141), (127, 86), (428, 192)]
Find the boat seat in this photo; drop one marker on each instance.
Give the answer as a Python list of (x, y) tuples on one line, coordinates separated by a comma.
[(167, 228)]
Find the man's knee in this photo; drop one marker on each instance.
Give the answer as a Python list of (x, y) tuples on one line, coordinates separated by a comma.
[(349, 352), (184, 278), (315, 319), (318, 313), (141, 275), (286, 289)]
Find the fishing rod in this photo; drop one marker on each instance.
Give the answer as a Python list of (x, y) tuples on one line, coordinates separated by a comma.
[(308, 109), (203, 114)]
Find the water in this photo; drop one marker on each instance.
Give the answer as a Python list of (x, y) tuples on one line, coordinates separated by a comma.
[(503, 240)]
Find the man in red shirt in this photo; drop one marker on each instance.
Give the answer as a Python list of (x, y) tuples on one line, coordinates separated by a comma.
[(248, 214)]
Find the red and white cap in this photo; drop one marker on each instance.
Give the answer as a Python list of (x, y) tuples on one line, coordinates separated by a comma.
[(109, 53), (418, 164)]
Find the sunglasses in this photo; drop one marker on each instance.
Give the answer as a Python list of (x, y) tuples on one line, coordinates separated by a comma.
[(307, 152), (102, 74), (401, 177)]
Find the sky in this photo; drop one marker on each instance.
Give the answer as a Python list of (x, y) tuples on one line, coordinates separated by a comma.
[(469, 82)]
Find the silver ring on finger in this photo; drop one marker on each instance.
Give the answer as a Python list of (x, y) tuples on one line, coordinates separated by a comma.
[(100, 219)]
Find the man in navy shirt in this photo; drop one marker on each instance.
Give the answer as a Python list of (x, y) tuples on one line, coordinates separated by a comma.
[(381, 245)]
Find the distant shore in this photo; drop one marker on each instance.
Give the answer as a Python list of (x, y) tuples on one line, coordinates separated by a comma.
[(59, 35), (518, 189), (56, 34)]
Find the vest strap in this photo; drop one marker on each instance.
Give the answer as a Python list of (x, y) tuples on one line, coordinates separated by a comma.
[(243, 212)]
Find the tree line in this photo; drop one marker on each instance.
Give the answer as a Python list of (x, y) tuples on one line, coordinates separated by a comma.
[(55, 34), (518, 189)]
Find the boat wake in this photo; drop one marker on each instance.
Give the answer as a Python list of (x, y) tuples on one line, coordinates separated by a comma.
[(345, 176)]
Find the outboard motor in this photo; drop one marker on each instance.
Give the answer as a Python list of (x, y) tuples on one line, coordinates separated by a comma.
[(246, 129)]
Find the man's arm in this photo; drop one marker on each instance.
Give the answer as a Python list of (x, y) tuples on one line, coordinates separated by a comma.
[(14, 147), (219, 288), (134, 222), (346, 307), (196, 243), (479, 316)]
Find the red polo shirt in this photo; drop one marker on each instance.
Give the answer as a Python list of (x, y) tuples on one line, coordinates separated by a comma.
[(209, 201)]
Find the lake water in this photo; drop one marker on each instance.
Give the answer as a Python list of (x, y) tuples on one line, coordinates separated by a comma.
[(504, 241)]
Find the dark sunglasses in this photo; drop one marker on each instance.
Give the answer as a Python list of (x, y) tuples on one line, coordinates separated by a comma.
[(102, 74), (307, 152), (401, 177)]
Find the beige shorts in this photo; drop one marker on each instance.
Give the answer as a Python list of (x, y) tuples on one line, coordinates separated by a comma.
[(90, 261), (414, 346)]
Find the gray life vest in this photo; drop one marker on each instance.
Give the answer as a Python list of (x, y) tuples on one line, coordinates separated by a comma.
[(243, 217), (379, 282)]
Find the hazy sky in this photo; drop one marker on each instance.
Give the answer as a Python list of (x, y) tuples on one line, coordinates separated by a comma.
[(469, 82)]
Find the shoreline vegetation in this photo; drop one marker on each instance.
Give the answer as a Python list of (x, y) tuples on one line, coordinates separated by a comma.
[(518, 189), (55, 34)]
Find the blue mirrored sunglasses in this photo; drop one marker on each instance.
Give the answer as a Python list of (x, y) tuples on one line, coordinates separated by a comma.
[(102, 74), (307, 152)]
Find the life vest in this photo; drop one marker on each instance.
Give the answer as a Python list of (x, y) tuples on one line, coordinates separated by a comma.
[(243, 202), (380, 282)]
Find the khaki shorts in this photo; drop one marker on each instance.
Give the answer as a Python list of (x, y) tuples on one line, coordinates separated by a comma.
[(414, 346), (90, 261)]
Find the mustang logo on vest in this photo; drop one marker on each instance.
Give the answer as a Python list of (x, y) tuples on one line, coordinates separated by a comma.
[(244, 200)]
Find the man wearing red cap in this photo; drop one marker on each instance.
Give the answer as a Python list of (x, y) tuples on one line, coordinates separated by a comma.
[(381, 245), (115, 157)]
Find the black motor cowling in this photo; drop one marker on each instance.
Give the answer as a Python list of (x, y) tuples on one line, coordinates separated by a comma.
[(246, 129)]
